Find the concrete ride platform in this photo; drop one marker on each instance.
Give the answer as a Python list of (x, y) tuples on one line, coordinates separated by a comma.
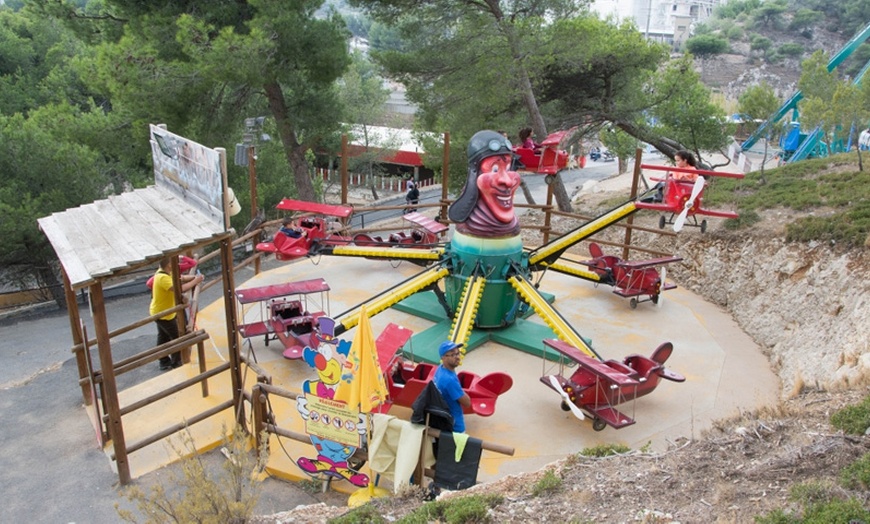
[(725, 371)]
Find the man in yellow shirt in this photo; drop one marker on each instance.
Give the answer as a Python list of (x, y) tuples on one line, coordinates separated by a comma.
[(163, 298)]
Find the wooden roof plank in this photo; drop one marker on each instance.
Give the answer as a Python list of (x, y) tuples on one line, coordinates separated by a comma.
[(169, 236), (131, 230), (105, 237), (90, 255), (75, 269), (173, 210), (141, 223)]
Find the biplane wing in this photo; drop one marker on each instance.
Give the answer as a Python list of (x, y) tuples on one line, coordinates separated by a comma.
[(303, 206), (287, 322), (597, 386), (429, 224)]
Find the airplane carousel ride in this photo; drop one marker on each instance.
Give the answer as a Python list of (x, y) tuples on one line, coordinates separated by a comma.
[(483, 283)]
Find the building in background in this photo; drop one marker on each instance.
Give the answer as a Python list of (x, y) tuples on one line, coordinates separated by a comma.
[(668, 21)]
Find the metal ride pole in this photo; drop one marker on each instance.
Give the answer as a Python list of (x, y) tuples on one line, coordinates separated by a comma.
[(252, 178)]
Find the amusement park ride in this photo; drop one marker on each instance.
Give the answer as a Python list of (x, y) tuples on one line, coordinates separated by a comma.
[(482, 284), (684, 199)]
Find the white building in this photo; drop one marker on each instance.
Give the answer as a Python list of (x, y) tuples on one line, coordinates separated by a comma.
[(667, 21)]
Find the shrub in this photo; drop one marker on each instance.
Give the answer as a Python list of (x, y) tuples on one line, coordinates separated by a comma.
[(605, 450), (777, 516), (474, 508), (365, 514), (549, 483), (207, 498), (791, 49), (845, 511), (857, 474), (853, 419)]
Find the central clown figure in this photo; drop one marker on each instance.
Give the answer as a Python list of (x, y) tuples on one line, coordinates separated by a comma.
[(486, 206), (487, 242)]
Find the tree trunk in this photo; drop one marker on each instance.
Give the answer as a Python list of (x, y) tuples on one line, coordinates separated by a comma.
[(48, 279), (529, 100), (526, 192), (292, 148)]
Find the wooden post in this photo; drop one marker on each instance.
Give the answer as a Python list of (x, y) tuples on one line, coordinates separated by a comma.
[(72, 307), (344, 169), (550, 180), (232, 328), (445, 177), (638, 158), (258, 406), (110, 388)]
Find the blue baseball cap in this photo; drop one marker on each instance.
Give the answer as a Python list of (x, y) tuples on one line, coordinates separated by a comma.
[(447, 346)]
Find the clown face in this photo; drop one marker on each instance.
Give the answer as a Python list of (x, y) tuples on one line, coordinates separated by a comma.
[(497, 185), (329, 363)]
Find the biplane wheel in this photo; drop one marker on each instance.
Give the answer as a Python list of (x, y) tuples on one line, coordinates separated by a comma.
[(565, 407), (632, 303), (703, 226), (655, 299), (598, 424), (662, 222)]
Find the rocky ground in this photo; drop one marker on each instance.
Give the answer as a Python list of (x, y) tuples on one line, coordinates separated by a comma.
[(807, 307)]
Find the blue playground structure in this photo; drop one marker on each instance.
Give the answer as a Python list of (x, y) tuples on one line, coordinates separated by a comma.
[(795, 143)]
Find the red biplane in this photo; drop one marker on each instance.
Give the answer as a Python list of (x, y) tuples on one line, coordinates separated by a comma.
[(424, 233), (287, 317), (596, 387), (632, 279), (313, 228), (684, 199), (405, 380), (548, 159)]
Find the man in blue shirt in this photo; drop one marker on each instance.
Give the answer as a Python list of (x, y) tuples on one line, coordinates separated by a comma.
[(448, 383)]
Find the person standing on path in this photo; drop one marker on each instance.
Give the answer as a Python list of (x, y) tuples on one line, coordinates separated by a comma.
[(448, 383), (163, 298)]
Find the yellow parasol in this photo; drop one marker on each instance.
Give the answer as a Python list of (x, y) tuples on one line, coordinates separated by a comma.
[(362, 384)]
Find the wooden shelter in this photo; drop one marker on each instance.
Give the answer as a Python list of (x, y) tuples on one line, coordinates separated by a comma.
[(112, 237)]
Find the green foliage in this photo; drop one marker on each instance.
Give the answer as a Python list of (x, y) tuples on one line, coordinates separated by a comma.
[(853, 419), (735, 33), (757, 102), (835, 512), (819, 505), (804, 19), (605, 450), (459, 510), (734, 8), (746, 220), (684, 110), (857, 475), (547, 484), (777, 516), (802, 186), (706, 46), (791, 49), (759, 43), (365, 514), (811, 492), (769, 14), (204, 497)]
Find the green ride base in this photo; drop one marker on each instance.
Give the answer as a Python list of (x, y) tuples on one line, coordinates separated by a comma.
[(523, 335)]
